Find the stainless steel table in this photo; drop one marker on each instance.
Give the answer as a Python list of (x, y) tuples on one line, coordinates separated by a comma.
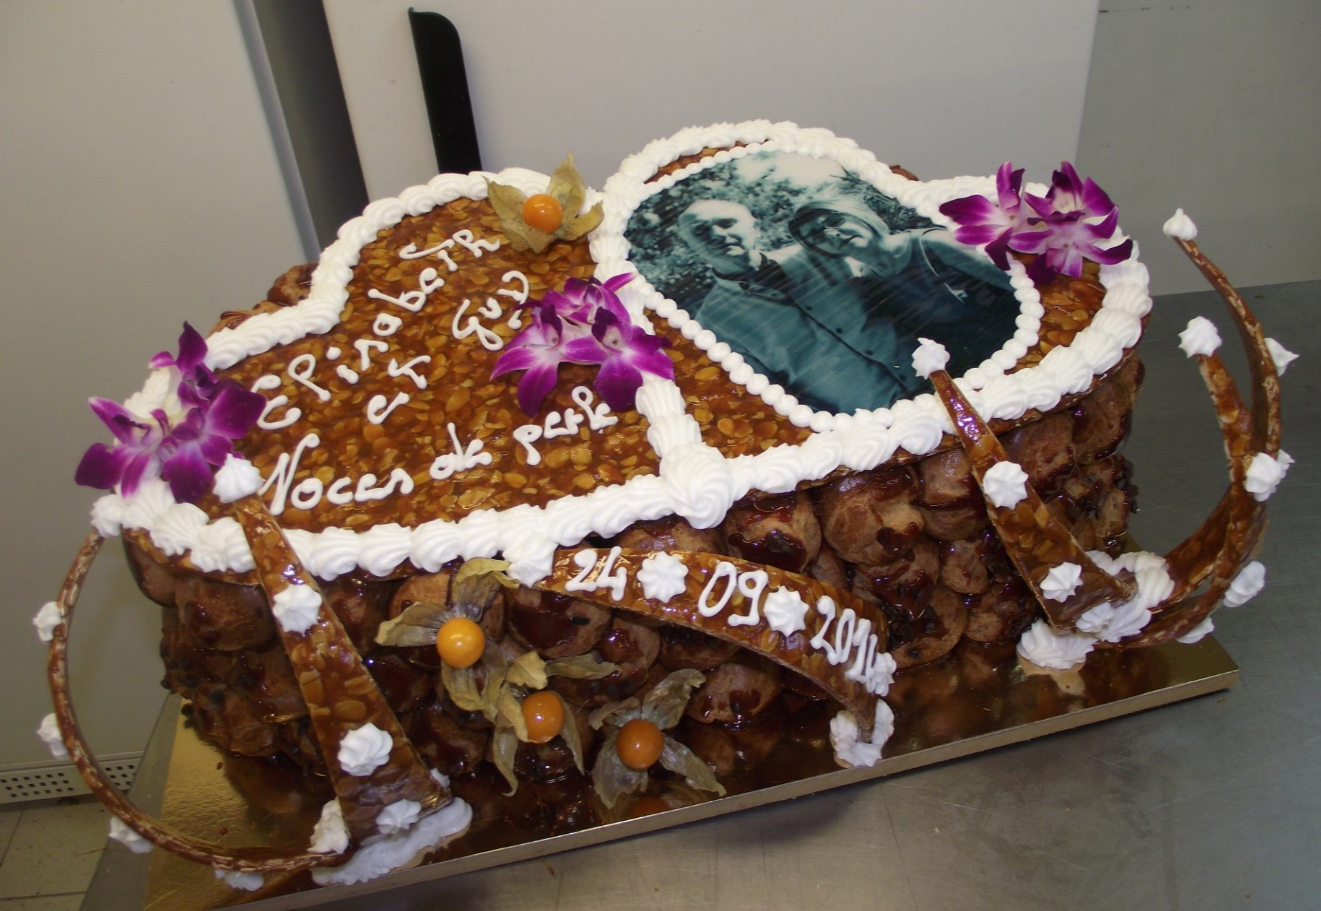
[(1209, 804)]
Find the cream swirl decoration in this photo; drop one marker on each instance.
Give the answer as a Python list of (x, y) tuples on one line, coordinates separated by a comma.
[(364, 750), (1044, 647), (1005, 484), (1200, 338), (121, 833), (399, 816), (296, 608), (331, 834), (785, 612), (49, 617), (1265, 474), (237, 478), (849, 750), (929, 357), (1249, 582), (663, 576), (1280, 355), (49, 732), (1180, 226)]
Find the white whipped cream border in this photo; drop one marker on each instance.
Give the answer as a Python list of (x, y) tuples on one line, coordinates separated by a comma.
[(695, 481)]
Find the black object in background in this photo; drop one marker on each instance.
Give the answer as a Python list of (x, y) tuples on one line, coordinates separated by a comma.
[(445, 88)]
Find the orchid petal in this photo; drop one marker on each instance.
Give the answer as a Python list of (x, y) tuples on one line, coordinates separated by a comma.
[(656, 363), (215, 448), (971, 210), (233, 410), (1115, 254), (586, 350), (979, 234), (101, 466), (1030, 241), (192, 349), (1044, 207), (1009, 186), (1105, 228), (535, 385), (1067, 260), (1094, 199), (618, 383), (615, 282), (1066, 187), (118, 419), (525, 358), (188, 473), (1041, 272), (138, 466), (998, 250)]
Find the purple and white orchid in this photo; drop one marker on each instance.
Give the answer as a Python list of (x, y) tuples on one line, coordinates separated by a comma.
[(992, 223), (1069, 224), (586, 323), (184, 450)]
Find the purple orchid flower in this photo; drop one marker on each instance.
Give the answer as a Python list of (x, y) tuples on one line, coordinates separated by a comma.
[(1070, 193), (992, 223), (1069, 240), (580, 300), (196, 381), (135, 455), (1063, 228), (184, 453), (586, 323), (626, 351), (199, 444), (538, 350)]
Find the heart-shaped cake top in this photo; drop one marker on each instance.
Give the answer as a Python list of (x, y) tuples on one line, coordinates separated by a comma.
[(790, 274)]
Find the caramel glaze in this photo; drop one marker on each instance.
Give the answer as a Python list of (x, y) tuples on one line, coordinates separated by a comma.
[(918, 633), (340, 695), (775, 549), (1034, 540)]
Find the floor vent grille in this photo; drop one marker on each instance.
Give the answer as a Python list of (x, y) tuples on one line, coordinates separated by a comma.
[(44, 781)]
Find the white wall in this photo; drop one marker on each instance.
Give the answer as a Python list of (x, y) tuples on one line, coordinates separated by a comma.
[(936, 86), (1213, 106), (138, 188)]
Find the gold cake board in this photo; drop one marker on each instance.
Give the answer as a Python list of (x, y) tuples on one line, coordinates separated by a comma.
[(975, 700)]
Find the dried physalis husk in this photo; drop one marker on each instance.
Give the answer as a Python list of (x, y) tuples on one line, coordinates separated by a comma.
[(665, 704), (580, 667), (509, 712), (504, 746), (417, 625), (615, 712), (610, 777), (476, 584), (484, 566), (571, 739), (461, 684), (678, 758), (567, 188), (528, 670)]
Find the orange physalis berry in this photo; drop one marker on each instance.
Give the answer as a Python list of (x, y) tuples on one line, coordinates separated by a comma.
[(543, 212), (543, 712), (460, 642), (640, 743)]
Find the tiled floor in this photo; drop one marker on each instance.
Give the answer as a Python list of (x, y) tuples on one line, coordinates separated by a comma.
[(48, 852)]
